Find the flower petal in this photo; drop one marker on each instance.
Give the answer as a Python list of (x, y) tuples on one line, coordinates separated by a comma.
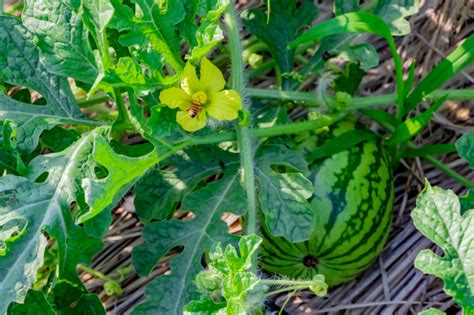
[(225, 105), (191, 124), (190, 82), (174, 97), (212, 80)]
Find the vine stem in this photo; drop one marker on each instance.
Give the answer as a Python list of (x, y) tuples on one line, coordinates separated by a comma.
[(310, 100), (244, 135), (1, 7)]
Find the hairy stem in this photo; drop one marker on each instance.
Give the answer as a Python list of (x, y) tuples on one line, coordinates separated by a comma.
[(310, 100), (279, 130), (244, 135)]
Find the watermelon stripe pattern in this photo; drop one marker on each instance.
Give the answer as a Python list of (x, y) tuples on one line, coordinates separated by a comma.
[(353, 199)]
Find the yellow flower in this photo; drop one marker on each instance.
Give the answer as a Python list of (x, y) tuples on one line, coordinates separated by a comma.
[(198, 98)]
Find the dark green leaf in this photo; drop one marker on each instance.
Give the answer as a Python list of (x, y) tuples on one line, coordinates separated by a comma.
[(62, 38), (283, 196), (381, 116), (20, 65), (169, 293), (286, 21), (32, 212), (465, 148), (346, 6), (467, 202), (159, 191), (340, 143), (428, 150), (411, 127), (58, 138), (35, 304)]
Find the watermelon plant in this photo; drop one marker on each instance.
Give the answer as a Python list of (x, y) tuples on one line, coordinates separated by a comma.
[(100, 98)]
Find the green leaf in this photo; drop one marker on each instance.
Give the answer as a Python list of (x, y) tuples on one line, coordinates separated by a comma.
[(283, 196), (433, 149), (123, 173), (228, 271), (59, 139), (431, 311), (153, 33), (358, 22), (31, 212), (381, 116), (97, 15), (35, 303), (340, 143), (344, 6), (20, 64), (205, 306), (459, 59), (191, 167), (62, 38), (209, 33), (363, 54), (465, 148), (437, 216), (285, 22), (394, 12), (169, 293), (467, 201), (411, 127)]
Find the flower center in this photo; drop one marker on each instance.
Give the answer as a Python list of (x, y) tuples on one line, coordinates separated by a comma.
[(200, 98)]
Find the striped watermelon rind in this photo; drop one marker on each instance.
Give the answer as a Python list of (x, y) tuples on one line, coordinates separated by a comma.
[(353, 199)]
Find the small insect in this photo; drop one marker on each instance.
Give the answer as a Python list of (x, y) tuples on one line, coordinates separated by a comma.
[(194, 109)]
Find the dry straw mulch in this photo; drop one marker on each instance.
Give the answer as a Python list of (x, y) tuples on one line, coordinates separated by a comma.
[(392, 285)]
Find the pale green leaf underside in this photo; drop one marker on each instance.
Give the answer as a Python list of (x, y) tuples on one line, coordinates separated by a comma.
[(438, 217), (30, 209), (20, 64)]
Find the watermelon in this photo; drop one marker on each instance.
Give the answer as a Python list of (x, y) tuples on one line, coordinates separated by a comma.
[(352, 200)]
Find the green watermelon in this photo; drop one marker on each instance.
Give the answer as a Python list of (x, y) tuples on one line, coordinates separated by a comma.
[(352, 200)]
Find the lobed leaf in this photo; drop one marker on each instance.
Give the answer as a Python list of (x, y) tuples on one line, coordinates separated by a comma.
[(20, 64), (62, 38), (283, 196), (438, 217), (169, 293), (31, 212)]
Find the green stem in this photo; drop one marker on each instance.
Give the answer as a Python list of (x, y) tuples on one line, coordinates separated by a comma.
[(243, 133), (279, 130), (452, 173), (287, 282), (309, 99), (95, 100), (1, 7), (95, 273)]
